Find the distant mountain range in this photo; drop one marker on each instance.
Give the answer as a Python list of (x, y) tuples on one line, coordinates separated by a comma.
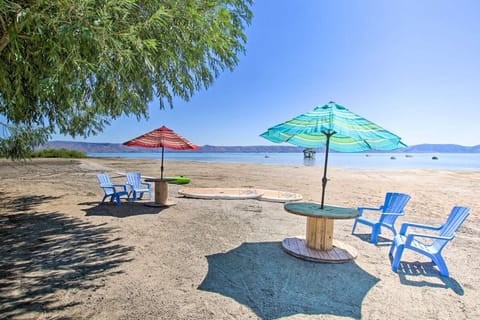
[(91, 147)]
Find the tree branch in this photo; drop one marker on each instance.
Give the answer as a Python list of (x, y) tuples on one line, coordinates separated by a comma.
[(4, 40), (24, 36), (4, 25)]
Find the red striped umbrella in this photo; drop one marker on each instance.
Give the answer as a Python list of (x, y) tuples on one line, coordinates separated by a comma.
[(162, 138)]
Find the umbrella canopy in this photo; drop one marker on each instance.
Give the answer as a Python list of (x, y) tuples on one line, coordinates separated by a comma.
[(333, 126), (162, 138)]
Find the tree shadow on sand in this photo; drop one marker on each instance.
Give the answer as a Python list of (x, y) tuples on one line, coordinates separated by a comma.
[(274, 284), (44, 254), (126, 209)]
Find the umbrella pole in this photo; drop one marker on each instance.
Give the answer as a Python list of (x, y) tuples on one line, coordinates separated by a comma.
[(324, 179), (161, 168)]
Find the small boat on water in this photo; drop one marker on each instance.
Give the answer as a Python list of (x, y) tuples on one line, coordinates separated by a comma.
[(434, 158), (309, 153)]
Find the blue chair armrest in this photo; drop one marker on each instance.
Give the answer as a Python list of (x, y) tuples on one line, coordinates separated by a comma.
[(406, 225), (394, 213), (360, 209), (146, 184), (121, 186), (107, 187), (410, 237)]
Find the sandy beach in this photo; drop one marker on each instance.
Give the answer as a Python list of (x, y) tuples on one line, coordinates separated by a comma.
[(65, 256)]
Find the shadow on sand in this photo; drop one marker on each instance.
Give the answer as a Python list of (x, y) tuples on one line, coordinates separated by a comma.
[(126, 209), (381, 241), (425, 274), (274, 284), (44, 254), (419, 274)]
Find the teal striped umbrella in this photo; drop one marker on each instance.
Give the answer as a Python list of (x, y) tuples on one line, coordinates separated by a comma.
[(334, 127)]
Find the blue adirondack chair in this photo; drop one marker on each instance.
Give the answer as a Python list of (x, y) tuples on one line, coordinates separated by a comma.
[(137, 186), (114, 191), (436, 243), (392, 208)]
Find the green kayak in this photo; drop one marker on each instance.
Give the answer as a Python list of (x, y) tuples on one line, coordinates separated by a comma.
[(178, 180)]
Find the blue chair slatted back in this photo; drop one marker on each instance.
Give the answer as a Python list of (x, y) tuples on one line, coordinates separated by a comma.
[(105, 183), (394, 203), (454, 221), (134, 179), (103, 178)]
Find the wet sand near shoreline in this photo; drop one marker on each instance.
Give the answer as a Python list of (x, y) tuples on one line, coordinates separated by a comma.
[(66, 256)]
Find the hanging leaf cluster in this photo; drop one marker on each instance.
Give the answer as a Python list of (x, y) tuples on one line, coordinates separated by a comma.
[(72, 66)]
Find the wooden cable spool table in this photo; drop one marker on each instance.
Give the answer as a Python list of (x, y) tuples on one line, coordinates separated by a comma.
[(161, 192), (319, 244)]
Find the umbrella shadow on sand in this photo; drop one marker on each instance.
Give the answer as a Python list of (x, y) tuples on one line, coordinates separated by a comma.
[(274, 284)]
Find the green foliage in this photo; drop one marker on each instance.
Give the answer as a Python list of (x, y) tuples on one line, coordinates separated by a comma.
[(58, 153), (17, 142), (72, 66)]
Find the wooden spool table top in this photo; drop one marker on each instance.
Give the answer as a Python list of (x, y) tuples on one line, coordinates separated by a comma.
[(313, 209)]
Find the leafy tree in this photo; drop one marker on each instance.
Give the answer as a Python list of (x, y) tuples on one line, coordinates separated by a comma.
[(72, 66)]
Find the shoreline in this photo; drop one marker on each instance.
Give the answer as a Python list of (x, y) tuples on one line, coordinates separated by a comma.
[(210, 259), (380, 161)]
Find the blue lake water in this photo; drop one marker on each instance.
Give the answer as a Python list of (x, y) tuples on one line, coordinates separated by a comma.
[(448, 161)]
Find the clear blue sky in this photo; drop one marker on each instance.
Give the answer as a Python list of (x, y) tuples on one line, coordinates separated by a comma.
[(411, 66)]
